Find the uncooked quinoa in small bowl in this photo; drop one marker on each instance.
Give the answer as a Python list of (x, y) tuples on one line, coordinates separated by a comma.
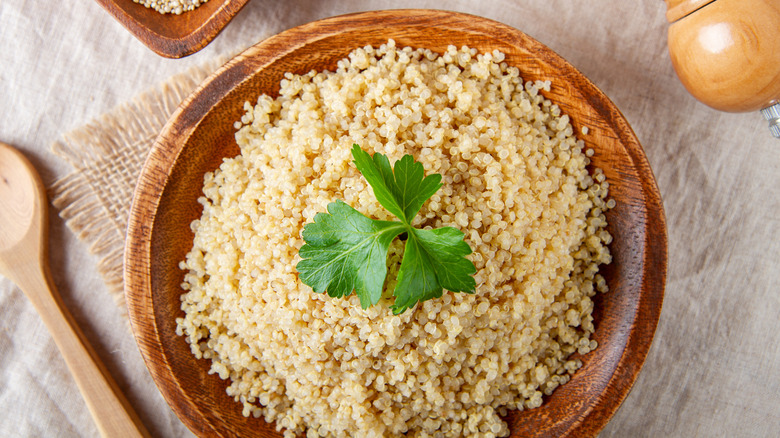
[(425, 224)]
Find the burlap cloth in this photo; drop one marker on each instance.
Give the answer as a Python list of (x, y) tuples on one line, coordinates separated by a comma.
[(107, 155), (713, 368)]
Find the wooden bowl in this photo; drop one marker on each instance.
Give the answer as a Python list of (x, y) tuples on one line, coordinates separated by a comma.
[(170, 35), (201, 133)]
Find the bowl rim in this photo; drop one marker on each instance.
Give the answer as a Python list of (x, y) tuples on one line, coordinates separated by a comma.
[(198, 105)]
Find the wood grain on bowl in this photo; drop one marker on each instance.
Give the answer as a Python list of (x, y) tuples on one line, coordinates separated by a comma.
[(200, 134), (171, 35)]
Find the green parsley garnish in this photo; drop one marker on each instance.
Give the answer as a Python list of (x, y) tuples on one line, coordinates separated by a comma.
[(346, 251)]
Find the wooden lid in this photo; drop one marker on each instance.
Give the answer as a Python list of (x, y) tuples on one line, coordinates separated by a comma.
[(726, 54), (676, 9)]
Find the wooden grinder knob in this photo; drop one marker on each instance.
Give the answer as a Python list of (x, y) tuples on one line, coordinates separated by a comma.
[(727, 53)]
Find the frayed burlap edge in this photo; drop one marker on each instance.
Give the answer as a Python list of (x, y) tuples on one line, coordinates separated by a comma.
[(107, 155)]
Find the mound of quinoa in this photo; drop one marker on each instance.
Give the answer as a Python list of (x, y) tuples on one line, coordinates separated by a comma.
[(514, 181)]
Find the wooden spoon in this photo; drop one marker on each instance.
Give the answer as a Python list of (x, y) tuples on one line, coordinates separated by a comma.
[(24, 260)]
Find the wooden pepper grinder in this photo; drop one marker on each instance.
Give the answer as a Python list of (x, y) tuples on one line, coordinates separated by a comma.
[(727, 53)]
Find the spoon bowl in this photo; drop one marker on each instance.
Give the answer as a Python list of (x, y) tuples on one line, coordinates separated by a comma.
[(18, 192), (24, 260), (23, 217)]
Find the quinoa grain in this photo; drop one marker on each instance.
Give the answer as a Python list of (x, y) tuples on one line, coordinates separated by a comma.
[(171, 6)]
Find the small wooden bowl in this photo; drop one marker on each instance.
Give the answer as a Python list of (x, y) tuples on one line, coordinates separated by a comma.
[(170, 35), (200, 134)]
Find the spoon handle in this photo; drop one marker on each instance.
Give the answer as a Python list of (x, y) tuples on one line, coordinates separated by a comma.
[(112, 413)]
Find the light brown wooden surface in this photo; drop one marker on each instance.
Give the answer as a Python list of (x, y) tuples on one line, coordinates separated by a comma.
[(727, 53), (200, 134), (171, 35), (676, 9), (24, 260)]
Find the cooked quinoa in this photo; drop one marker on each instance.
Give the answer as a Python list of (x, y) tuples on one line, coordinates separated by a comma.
[(171, 6), (514, 181)]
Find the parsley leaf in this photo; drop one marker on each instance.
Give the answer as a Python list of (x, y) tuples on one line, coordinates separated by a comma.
[(402, 190), (433, 259), (346, 251)]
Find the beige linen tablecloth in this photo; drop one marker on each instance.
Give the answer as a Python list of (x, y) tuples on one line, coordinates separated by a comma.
[(713, 368)]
